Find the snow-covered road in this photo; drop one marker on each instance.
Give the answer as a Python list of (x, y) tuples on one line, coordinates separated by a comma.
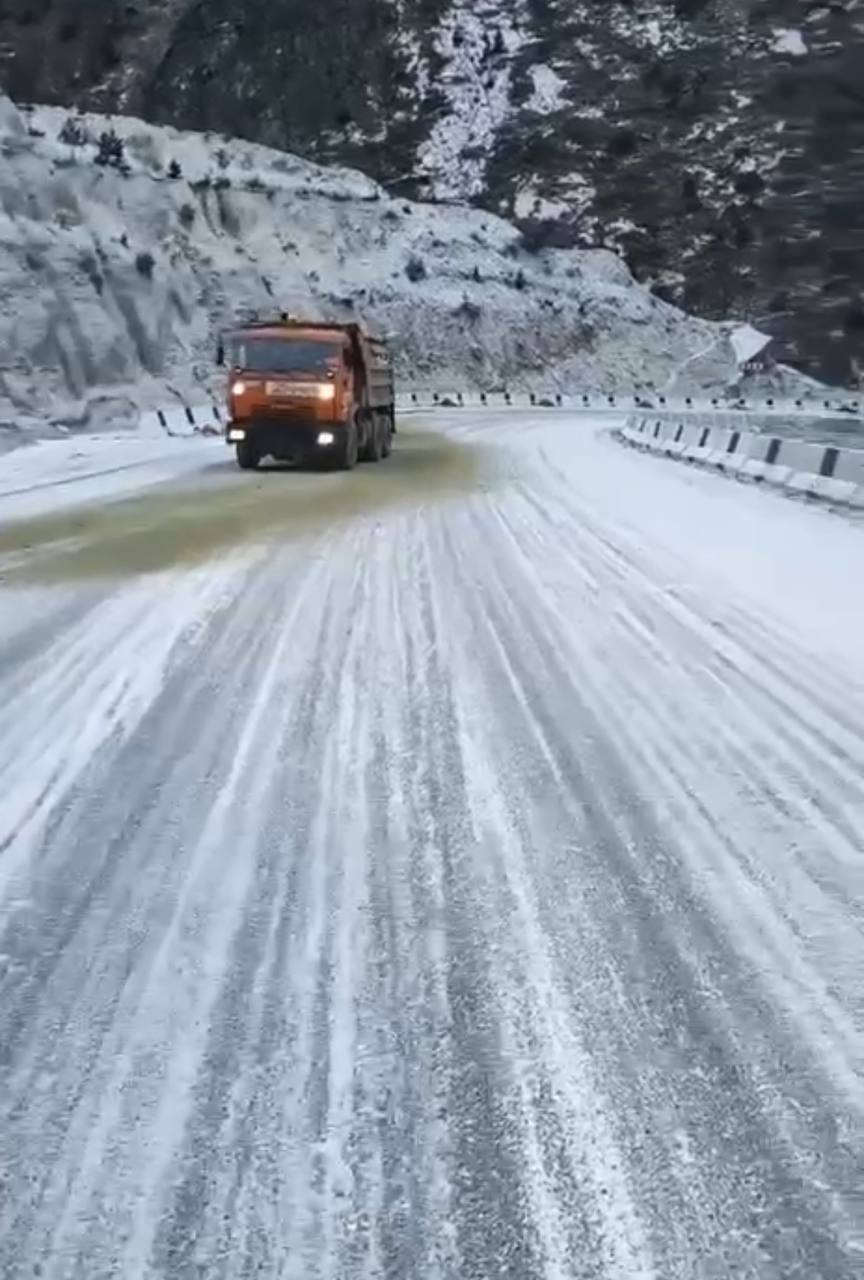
[(52, 474), (459, 874)]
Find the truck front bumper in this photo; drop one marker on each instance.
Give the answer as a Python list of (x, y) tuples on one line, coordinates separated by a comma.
[(285, 438)]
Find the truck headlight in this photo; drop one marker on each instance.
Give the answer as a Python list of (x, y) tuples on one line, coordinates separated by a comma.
[(326, 437), (326, 391), (237, 388)]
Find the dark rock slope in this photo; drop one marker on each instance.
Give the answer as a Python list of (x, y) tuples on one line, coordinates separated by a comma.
[(718, 143)]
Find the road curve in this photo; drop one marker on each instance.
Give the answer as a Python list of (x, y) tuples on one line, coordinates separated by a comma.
[(465, 885)]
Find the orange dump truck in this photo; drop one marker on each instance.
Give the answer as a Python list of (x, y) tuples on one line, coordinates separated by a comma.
[(299, 390)]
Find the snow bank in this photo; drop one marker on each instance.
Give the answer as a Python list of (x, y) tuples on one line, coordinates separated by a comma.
[(116, 278)]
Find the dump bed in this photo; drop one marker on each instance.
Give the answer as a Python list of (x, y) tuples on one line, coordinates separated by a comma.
[(378, 371)]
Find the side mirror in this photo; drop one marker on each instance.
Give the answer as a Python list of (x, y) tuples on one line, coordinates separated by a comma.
[(220, 354)]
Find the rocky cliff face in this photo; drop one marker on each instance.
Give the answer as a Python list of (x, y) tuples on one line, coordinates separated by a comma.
[(718, 144)]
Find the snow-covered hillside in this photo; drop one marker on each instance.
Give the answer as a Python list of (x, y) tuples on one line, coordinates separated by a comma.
[(719, 144), (115, 278)]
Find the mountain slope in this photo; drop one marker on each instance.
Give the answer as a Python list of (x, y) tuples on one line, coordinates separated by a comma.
[(116, 277), (718, 143)]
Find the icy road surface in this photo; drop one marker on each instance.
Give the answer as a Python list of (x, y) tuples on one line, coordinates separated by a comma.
[(466, 881)]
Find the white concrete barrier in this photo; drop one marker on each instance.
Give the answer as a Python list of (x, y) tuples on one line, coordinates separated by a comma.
[(737, 457), (822, 471), (754, 465)]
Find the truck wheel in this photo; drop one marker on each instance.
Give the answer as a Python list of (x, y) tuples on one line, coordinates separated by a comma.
[(349, 449), (369, 448), (247, 456), (375, 451), (387, 429)]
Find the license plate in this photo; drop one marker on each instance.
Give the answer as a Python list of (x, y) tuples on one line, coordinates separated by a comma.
[(288, 390)]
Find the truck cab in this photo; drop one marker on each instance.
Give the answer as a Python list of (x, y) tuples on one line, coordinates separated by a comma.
[(299, 391)]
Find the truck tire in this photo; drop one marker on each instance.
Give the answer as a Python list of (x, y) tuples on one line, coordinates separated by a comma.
[(370, 448), (247, 456), (346, 459), (387, 431), (375, 450)]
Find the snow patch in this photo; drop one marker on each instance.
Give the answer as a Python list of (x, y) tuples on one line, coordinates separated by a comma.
[(549, 93), (530, 204), (788, 40), (476, 82)]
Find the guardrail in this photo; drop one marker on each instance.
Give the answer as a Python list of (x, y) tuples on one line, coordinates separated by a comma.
[(824, 471), (850, 407), (830, 420), (184, 419)]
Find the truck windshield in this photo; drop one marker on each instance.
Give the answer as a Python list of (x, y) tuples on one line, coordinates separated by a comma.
[(285, 355)]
